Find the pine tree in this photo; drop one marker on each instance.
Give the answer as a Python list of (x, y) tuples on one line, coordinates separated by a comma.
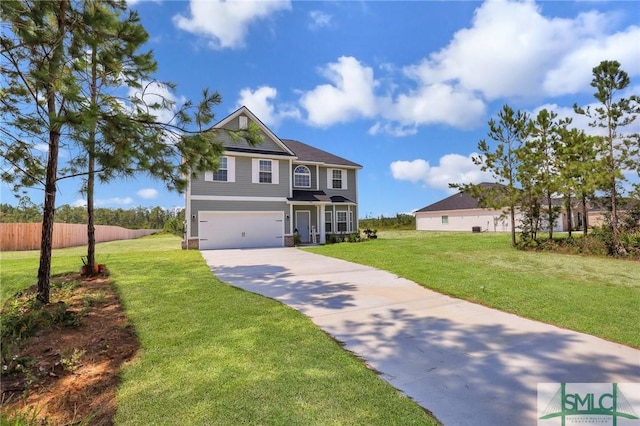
[(509, 133), (59, 60), (613, 114)]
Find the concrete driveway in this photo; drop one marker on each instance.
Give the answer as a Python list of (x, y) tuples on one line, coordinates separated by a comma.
[(467, 364)]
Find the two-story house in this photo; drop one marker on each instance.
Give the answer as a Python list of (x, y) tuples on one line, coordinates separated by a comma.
[(264, 195)]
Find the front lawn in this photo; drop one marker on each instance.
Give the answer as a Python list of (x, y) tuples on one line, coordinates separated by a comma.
[(598, 296), (213, 354)]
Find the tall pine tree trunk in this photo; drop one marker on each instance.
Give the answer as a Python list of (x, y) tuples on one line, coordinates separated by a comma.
[(569, 215), (91, 229), (44, 270), (513, 225), (585, 216)]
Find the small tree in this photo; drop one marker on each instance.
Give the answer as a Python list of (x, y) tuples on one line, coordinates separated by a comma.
[(509, 133), (539, 161)]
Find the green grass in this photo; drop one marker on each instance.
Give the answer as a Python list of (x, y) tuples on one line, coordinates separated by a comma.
[(213, 354), (598, 296)]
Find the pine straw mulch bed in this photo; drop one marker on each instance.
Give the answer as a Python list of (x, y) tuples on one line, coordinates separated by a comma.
[(66, 371)]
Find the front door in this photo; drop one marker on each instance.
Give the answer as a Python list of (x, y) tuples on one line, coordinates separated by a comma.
[(303, 222)]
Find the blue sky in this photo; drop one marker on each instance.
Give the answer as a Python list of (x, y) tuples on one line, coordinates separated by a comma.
[(404, 88)]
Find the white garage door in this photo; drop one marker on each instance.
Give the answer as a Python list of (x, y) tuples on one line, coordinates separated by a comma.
[(225, 230)]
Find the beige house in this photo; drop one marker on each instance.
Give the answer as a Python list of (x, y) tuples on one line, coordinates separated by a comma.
[(462, 212)]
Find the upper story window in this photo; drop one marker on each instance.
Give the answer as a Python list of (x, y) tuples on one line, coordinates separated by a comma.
[(336, 179), (226, 171), (243, 122), (265, 171), (223, 171), (265, 175), (302, 177)]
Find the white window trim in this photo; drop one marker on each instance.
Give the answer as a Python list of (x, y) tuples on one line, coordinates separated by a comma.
[(343, 174), (255, 171), (308, 173), (231, 171), (243, 122)]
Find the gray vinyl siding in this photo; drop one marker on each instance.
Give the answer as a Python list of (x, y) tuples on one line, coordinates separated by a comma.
[(267, 143), (351, 192), (243, 187), (233, 206)]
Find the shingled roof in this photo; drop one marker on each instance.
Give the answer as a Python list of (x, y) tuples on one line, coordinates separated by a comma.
[(306, 152), (460, 201)]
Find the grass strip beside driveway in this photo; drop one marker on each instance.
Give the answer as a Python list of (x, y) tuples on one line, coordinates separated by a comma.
[(212, 354), (598, 296)]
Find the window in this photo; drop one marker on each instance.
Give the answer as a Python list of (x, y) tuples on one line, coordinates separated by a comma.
[(265, 171), (226, 171), (341, 221), (221, 174), (445, 219), (328, 222), (243, 122), (336, 179), (302, 177)]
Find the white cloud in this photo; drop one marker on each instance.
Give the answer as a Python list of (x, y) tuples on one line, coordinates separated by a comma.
[(452, 168), (574, 72), (261, 102), (350, 96), (225, 23), (319, 19), (511, 49), (79, 203), (148, 193), (114, 201), (436, 103)]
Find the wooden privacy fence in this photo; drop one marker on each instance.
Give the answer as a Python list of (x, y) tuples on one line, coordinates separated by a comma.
[(27, 236)]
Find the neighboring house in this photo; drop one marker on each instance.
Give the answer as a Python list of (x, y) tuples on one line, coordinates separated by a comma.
[(262, 195), (462, 212)]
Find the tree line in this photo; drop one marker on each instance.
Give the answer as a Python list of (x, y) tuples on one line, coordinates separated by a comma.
[(538, 159), (169, 220), (400, 221)]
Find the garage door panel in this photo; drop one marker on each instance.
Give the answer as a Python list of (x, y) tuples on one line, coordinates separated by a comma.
[(221, 230)]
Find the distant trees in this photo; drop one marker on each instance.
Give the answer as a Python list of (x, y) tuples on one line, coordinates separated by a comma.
[(538, 160), (398, 222), (170, 220)]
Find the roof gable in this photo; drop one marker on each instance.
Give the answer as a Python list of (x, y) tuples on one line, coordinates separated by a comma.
[(460, 201), (308, 153), (270, 145)]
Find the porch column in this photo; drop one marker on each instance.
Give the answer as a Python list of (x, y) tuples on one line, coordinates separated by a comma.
[(321, 227)]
